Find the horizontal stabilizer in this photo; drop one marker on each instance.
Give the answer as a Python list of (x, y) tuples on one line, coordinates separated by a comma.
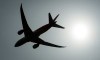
[(58, 26), (56, 17)]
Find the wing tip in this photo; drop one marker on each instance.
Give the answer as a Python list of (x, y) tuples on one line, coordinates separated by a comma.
[(21, 6), (62, 46), (16, 45), (49, 13)]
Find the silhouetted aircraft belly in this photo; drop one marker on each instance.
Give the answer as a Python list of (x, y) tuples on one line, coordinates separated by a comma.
[(33, 36), (42, 29)]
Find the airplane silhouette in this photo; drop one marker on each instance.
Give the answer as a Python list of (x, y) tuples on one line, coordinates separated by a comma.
[(33, 36)]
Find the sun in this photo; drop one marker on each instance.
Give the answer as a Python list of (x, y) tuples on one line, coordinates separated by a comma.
[(80, 31)]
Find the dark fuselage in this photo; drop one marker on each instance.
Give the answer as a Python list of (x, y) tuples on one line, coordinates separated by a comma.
[(33, 36), (42, 29)]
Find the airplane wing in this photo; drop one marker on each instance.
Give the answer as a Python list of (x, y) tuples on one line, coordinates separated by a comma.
[(50, 44), (21, 42), (24, 22)]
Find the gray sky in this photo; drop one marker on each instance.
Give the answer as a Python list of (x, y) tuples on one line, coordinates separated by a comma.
[(36, 12)]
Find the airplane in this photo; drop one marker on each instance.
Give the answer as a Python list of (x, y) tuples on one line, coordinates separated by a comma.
[(33, 36)]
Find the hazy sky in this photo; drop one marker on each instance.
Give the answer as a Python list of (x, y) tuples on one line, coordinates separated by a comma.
[(74, 14)]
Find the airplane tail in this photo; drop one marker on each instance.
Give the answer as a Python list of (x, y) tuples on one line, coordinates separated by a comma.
[(58, 26), (53, 21)]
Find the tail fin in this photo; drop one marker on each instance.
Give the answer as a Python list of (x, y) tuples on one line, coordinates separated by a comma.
[(53, 21), (50, 18)]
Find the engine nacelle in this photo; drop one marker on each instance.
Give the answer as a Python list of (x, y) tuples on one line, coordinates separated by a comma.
[(20, 32), (35, 46)]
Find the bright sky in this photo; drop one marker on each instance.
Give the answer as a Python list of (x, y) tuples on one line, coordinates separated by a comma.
[(81, 34)]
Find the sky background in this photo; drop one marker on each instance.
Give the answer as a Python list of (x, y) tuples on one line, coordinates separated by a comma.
[(36, 11)]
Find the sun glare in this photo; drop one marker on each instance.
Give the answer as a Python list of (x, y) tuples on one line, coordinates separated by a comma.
[(80, 30), (80, 33)]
